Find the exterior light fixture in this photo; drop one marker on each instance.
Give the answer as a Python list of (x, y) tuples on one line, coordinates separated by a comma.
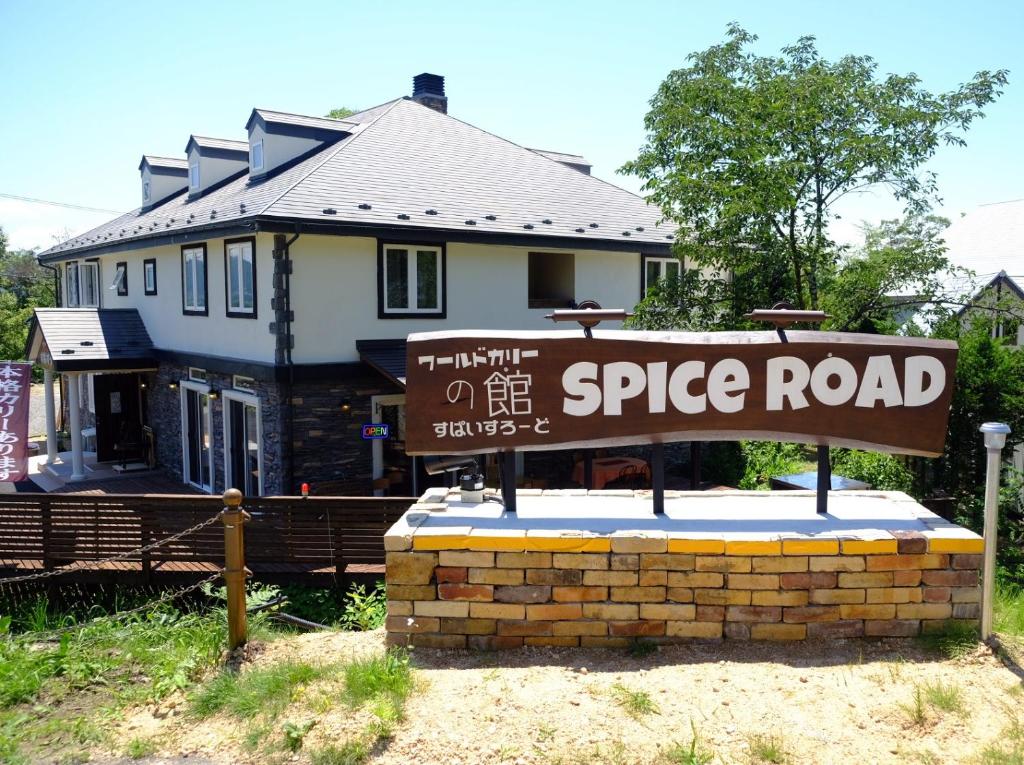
[(346, 407), (214, 395), (172, 386)]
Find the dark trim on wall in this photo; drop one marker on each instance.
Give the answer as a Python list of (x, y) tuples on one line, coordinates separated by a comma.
[(263, 371), (206, 280), (102, 365), (145, 263), (122, 288), (381, 313), (227, 281)]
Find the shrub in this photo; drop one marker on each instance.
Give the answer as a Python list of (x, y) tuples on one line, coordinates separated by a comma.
[(765, 459), (882, 471)]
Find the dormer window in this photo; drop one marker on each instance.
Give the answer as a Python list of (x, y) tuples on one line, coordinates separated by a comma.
[(193, 176), (256, 156), (145, 192)]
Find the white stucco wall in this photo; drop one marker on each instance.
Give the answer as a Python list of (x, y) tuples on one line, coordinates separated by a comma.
[(214, 334), (213, 170), (160, 186), (334, 292), (278, 149)]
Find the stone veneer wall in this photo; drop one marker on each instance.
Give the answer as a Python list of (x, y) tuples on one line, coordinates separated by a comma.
[(608, 591)]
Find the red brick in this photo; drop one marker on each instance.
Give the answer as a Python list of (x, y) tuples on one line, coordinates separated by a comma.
[(967, 578), (967, 561), (910, 578), (554, 611), (802, 614), (910, 542), (520, 627), (458, 626), (805, 581), (936, 594), (465, 591), (522, 594), (565, 577), (753, 613), (451, 574), (710, 613), (844, 628), (892, 627), (643, 628)]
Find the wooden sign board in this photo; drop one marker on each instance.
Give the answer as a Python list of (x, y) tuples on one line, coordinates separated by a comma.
[(477, 392)]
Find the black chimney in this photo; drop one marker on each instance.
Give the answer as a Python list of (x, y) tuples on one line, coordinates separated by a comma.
[(428, 89)]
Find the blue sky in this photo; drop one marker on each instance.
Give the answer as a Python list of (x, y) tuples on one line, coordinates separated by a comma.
[(89, 87)]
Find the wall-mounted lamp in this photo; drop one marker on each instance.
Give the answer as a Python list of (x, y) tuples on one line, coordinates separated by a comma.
[(346, 407), (172, 386), (214, 395), (143, 386)]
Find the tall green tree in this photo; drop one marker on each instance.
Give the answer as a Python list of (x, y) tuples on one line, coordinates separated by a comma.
[(24, 285), (749, 154)]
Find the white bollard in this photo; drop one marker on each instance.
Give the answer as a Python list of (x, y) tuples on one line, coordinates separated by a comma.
[(995, 440)]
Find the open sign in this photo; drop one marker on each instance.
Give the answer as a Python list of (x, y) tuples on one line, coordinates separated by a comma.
[(376, 430)]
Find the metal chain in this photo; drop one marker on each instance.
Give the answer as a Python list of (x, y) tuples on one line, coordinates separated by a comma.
[(77, 565), (166, 597)]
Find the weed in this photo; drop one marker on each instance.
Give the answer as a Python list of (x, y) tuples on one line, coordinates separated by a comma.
[(140, 747), (640, 649), (266, 690), (956, 640), (636, 703), (693, 753), (365, 610), (295, 734), (350, 753), (1010, 748), (916, 710), (1008, 609), (765, 748), (388, 713), (546, 732), (946, 698), (388, 674)]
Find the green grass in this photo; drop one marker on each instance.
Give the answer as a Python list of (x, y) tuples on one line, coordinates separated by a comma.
[(917, 709), (765, 748), (350, 753), (259, 691), (1008, 610), (140, 747), (637, 704), (693, 753), (387, 675), (956, 639), (1008, 749), (945, 698)]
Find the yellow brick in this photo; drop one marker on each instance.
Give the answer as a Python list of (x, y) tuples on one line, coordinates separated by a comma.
[(695, 579), (680, 594), (906, 562), (778, 631), (946, 545), (722, 564), (458, 558), (440, 542), (753, 581), (496, 576), (523, 560), (872, 611), (400, 607), (705, 546), (793, 564), (638, 594), (722, 597), (778, 598), (623, 542), (554, 612), (446, 608), (630, 562), (670, 561), (924, 610), (610, 578), (672, 611), (580, 561), (889, 594), (834, 597), (569, 544), (869, 546), (810, 546), (753, 547), (613, 611), (652, 577), (497, 610), (707, 630), (866, 579), (579, 628), (836, 563)]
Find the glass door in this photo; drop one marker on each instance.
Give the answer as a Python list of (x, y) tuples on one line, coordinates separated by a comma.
[(198, 443), (243, 447)]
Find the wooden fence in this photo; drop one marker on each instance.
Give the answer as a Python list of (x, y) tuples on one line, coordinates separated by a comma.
[(288, 539)]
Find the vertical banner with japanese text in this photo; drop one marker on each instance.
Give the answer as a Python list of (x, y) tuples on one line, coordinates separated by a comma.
[(15, 379)]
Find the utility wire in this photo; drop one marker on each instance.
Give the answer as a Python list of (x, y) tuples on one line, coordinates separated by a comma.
[(59, 204)]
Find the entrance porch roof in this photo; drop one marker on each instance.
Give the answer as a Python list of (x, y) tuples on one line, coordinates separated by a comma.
[(90, 340)]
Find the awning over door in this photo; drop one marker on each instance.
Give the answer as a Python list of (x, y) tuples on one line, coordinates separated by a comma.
[(90, 340), (386, 356)]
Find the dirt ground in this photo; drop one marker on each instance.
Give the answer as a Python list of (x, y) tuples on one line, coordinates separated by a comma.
[(836, 702)]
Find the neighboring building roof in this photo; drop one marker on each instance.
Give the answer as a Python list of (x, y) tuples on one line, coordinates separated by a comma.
[(574, 160), (386, 356), (87, 339), (170, 163), (409, 168), (222, 144), (284, 118), (988, 240)]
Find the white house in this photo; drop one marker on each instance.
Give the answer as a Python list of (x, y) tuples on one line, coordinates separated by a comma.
[(249, 318)]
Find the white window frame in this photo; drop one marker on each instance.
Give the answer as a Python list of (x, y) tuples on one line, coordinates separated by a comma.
[(71, 291), (87, 391), (146, 194), (193, 175), (662, 263), (246, 247), (184, 386), (411, 271), (194, 257), (256, 150), (243, 384), (377, 446), (195, 374), (120, 274), (85, 300), (251, 400)]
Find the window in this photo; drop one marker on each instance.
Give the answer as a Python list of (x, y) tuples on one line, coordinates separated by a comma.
[(120, 282), (240, 277), (256, 156), (195, 374), (193, 175), (411, 280), (145, 191), (149, 275), (89, 284), (656, 269), (193, 280), (71, 284), (552, 280)]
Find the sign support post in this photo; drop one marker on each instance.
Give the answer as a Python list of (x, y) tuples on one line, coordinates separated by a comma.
[(824, 479), (995, 439), (508, 480), (658, 477)]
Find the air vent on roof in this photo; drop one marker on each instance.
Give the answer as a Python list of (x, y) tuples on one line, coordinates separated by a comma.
[(527, 225), (403, 216), (86, 342), (625, 233), (593, 225), (639, 228), (67, 351), (213, 213), (431, 211), (580, 230), (470, 222), (241, 207), (330, 211), (546, 221), (491, 217), (428, 89), (365, 206)]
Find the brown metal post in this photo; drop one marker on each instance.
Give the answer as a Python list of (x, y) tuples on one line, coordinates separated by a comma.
[(235, 573)]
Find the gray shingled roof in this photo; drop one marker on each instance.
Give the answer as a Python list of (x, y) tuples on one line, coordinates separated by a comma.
[(174, 163), (91, 338), (323, 123), (386, 356), (205, 142), (403, 161)]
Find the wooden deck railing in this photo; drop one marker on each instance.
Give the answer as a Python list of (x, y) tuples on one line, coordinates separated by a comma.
[(286, 536)]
